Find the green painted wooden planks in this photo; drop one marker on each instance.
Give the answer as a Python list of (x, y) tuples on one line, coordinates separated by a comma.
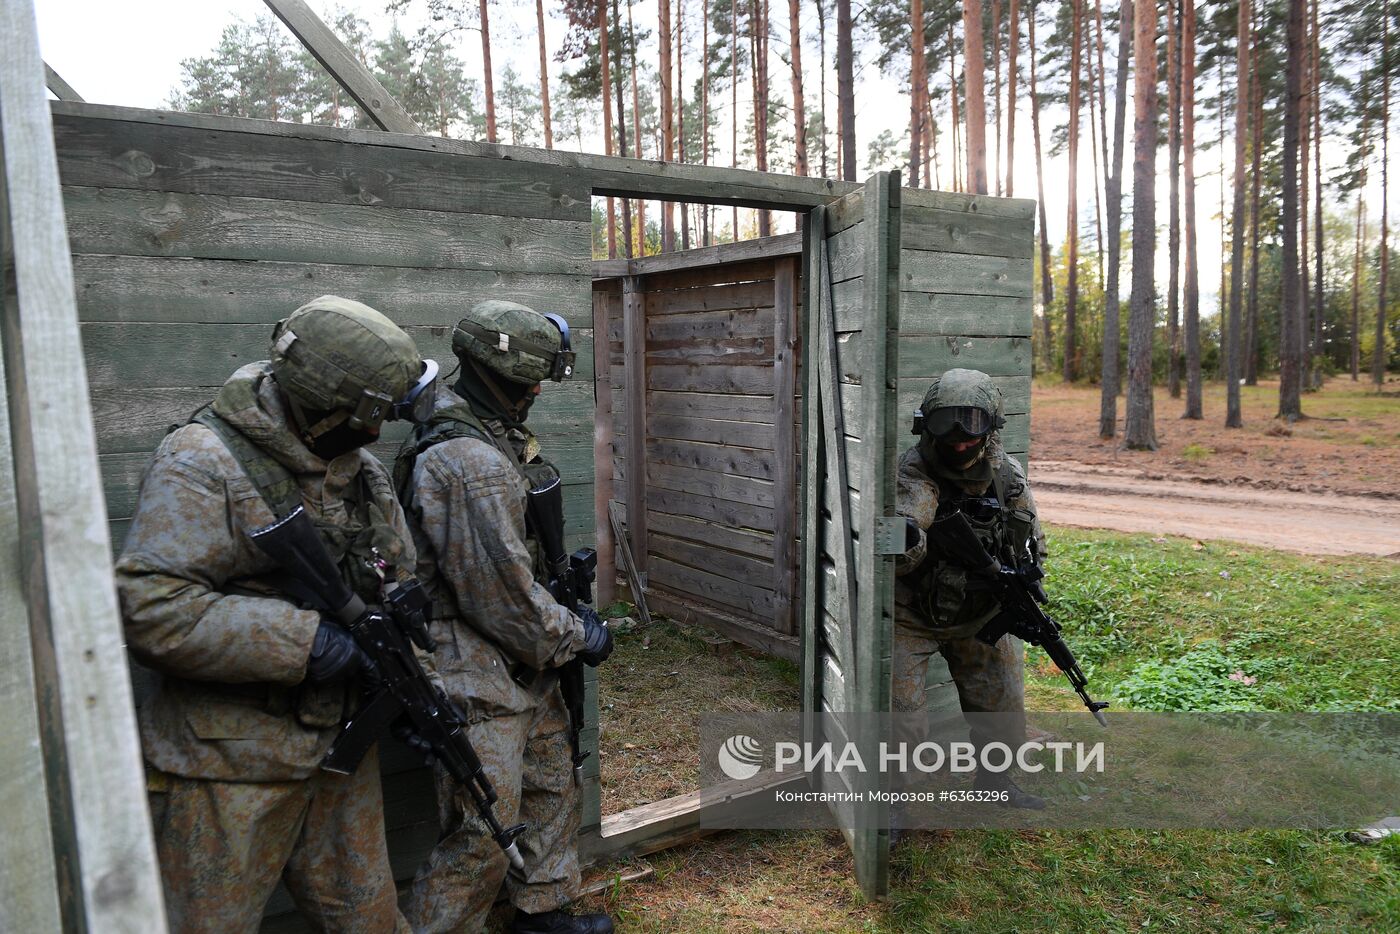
[(142, 223), (113, 154)]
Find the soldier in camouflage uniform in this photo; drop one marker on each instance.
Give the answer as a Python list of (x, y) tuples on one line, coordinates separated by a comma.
[(464, 479), (254, 687), (959, 459)]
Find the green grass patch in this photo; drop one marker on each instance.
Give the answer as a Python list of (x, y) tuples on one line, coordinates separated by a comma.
[(1196, 453)]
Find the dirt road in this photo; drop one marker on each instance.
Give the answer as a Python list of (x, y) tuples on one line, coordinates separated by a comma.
[(1126, 500)]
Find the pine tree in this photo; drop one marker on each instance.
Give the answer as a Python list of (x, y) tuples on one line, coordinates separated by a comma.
[(974, 78), (1140, 431), (1234, 363), (1290, 403), (1191, 287), (1110, 379)]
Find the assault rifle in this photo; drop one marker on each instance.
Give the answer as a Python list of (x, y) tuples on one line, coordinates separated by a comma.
[(401, 691), (571, 582), (1018, 590)]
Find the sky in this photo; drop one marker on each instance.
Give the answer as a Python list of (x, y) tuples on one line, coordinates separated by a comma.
[(129, 53)]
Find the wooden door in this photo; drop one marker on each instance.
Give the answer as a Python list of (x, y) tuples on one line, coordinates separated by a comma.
[(850, 368)]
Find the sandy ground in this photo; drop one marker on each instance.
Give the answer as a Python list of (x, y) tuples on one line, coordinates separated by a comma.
[(1134, 500)]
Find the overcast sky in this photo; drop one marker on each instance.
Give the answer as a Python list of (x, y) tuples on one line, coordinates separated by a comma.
[(129, 53)]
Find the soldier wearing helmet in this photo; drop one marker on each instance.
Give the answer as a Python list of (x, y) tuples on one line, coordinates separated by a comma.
[(959, 460), (465, 478), (254, 684)]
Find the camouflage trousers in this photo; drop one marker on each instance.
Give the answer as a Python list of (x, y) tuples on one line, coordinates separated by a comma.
[(990, 678), (224, 845), (528, 758)]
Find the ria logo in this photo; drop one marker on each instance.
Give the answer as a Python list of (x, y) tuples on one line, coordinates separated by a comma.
[(740, 757)]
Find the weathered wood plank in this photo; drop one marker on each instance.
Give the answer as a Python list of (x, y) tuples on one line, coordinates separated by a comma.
[(181, 289), (718, 254), (115, 220), (721, 512), (725, 324), (712, 431), (966, 232), (723, 353), (635, 377), (754, 270), (751, 631), (964, 315), (681, 300), (749, 542), (785, 350), (725, 459), (745, 378), (918, 199), (965, 274), (61, 89), (731, 406), (602, 459), (106, 878), (924, 356), (104, 154), (181, 354), (709, 483), (752, 573), (750, 601), (344, 66)]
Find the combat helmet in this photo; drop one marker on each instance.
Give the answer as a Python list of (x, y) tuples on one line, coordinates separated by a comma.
[(515, 342), (965, 400), (340, 362)]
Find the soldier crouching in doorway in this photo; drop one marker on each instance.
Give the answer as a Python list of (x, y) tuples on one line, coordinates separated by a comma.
[(939, 607), (255, 687), (465, 479)]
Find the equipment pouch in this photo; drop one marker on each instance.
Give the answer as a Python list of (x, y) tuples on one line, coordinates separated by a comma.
[(947, 593)]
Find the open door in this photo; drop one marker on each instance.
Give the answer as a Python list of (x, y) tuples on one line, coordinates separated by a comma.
[(848, 489)]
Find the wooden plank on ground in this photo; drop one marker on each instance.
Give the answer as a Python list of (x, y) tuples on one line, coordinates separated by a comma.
[(107, 878), (104, 154), (344, 66), (142, 223)]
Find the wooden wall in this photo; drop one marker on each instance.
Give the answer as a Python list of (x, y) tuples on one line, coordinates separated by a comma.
[(718, 351), (189, 244)]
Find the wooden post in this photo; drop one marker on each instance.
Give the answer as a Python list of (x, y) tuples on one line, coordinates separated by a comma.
[(784, 427), (634, 355), (61, 89), (106, 877), (343, 66), (603, 455)]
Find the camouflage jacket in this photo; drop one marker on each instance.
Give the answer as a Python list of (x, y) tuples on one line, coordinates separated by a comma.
[(936, 596), (199, 610), (466, 506)]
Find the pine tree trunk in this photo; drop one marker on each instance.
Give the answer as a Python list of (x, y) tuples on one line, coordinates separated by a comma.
[(1111, 378), (846, 88), (1251, 319), (1174, 211), (544, 76), (1191, 287), (918, 82), (640, 244), (1383, 292), (487, 84), (680, 114), (1140, 432), (1072, 219), (799, 111), (821, 56), (1356, 263), (1304, 205), (1088, 60), (957, 123), (758, 28), (974, 77), (734, 99), (1318, 309), (622, 136), (1047, 283), (1290, 402), (1013, 44), (668, 117), (605, 74), (1234, 364), (996, 88)]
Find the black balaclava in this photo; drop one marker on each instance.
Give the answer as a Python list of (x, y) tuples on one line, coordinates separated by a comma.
[(491, 396)]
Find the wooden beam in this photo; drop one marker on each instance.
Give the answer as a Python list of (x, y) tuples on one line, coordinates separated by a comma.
[(634, 348), (717, 255), (785, 344), (107, 875), (603, 454), (343, 66), (60, 88)]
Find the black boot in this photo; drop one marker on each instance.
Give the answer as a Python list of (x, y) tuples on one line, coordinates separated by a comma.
[(560, 922), (1015, 797)]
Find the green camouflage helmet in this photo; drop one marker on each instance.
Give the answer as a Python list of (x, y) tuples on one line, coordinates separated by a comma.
[(333, 354), (967, 398), (515, 342)]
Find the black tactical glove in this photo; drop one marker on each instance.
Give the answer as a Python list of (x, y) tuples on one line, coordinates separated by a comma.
[(597, 638), (403, 731), (335, 656)]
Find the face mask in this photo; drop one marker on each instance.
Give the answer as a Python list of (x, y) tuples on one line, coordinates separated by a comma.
[(342, 439), (956, 449)]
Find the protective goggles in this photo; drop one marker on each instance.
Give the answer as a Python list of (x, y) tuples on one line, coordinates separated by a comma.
[(941, 421), (417, 405)]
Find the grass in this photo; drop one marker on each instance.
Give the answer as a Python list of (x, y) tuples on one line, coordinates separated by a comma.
[(1314, 633), (1196, 453)]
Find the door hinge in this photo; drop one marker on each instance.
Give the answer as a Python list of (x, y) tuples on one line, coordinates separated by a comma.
[(889, 535)]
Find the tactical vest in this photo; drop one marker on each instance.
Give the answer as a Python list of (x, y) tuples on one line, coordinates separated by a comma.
[(354, 546), (943, 589), (459, 421)]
